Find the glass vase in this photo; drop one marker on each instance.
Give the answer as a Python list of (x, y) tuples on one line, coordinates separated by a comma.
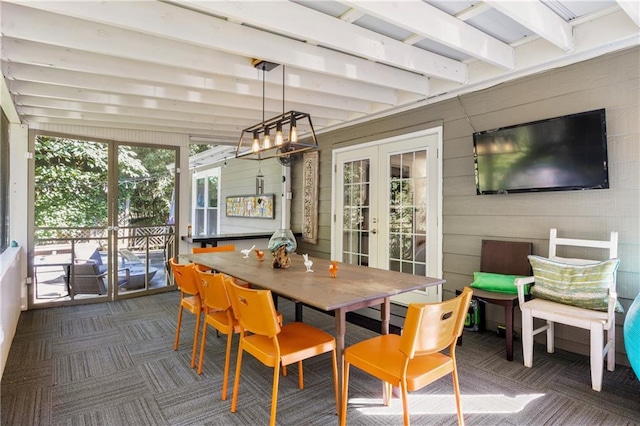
[(283, 237)]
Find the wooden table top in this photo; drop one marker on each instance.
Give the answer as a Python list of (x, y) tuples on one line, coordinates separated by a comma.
[(353, 284)]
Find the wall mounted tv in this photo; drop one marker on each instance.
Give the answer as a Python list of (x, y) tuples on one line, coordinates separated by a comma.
[(558, 154)]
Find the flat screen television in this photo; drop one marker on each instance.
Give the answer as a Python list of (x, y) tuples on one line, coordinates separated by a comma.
[(557, 154)]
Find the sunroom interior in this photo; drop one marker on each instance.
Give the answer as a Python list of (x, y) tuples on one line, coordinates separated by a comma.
[(375, 77)]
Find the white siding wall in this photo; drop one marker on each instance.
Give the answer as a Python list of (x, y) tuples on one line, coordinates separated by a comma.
[(10, 303)]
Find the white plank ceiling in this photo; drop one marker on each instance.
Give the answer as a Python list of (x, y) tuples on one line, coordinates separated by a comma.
[(186, 66)]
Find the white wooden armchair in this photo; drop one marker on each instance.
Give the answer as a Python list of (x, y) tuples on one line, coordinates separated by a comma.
[(580, 291)]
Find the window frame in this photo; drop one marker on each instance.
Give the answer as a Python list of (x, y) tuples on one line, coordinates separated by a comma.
[(201, 223)]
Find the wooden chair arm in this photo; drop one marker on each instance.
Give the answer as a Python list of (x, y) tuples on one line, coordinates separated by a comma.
[(611, 309), (520, 283)]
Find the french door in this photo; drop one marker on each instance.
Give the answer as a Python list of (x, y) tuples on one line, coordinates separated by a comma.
[(101, 220), (388, 207)]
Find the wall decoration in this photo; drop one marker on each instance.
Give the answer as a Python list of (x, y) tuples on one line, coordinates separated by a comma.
[(310, 197), (251, 206)]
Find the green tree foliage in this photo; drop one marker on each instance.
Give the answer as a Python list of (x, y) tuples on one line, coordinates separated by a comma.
[(71, 181), (145, 199)]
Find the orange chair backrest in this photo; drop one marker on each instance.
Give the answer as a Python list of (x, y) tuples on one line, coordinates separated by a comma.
[(184, 275), (432, 327), (214, 290), (254, 309), (228, 247)]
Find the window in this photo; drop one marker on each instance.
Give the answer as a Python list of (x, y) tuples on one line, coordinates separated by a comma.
[(206, 194)]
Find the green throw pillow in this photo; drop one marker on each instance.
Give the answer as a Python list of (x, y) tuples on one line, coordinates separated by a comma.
[(584, 286), (499, 283)]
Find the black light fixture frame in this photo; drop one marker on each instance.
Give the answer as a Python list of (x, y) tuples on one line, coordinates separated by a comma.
[(268, 127), (245, 151)]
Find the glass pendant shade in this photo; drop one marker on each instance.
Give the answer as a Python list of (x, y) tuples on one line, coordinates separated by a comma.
[(283, 237), (279, 137), (293, 131), (267, 140), (255, 146)]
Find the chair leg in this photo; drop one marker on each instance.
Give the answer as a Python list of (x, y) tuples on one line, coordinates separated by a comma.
[(227, 363), (508, 321), (195, 341), (527, 337), (387, 393), (611, 354), (334, 361), (345, 392), (405, 401), (300, 376), (456, 392), (551, 335), (175, 344), (597, 362), (236, 380), (274, 394), (202, 344)]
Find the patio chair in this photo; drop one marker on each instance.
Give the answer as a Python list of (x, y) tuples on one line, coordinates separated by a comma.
[(85, 252), (87, 278), (575, 292)]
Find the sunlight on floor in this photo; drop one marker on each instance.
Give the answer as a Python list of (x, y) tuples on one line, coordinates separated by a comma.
[(445, 404)]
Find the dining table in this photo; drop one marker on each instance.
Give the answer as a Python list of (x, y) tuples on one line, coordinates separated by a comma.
[(354, 286)]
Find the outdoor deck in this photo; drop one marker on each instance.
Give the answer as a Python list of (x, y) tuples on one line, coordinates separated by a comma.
[(50, 280)]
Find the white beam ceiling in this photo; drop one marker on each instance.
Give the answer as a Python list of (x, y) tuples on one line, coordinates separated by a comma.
[(538, 18), (430, 22), (185, 66)]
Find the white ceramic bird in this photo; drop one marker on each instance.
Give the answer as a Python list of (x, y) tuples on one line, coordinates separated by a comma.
[(307, 262), (245, 252)]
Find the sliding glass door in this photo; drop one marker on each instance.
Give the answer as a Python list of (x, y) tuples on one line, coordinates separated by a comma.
[(101, 220), (145, 237)]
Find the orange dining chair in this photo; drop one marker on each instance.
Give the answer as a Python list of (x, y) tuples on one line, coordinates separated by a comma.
[(190, 299), (415, 359), (274, 345), (217, 249), (219, 315)]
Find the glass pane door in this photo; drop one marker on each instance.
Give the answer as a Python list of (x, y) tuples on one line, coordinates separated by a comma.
[(356, 233), (387, 208), (102, 220), (145, 185), (70, 256), (407, 212), (356, 212)]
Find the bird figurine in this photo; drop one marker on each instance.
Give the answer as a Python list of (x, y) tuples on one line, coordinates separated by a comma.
[(333, 269), (307, 262), (245, 252)]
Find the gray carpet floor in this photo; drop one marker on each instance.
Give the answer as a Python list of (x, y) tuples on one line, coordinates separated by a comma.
[(114, 364)]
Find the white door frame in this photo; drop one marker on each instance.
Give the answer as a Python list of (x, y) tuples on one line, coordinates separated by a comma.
[(334, 184)]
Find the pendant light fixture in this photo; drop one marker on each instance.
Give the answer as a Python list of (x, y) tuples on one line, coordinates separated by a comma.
[(256, 142)]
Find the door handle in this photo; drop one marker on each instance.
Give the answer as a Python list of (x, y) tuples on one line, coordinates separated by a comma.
[(374, 231)]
